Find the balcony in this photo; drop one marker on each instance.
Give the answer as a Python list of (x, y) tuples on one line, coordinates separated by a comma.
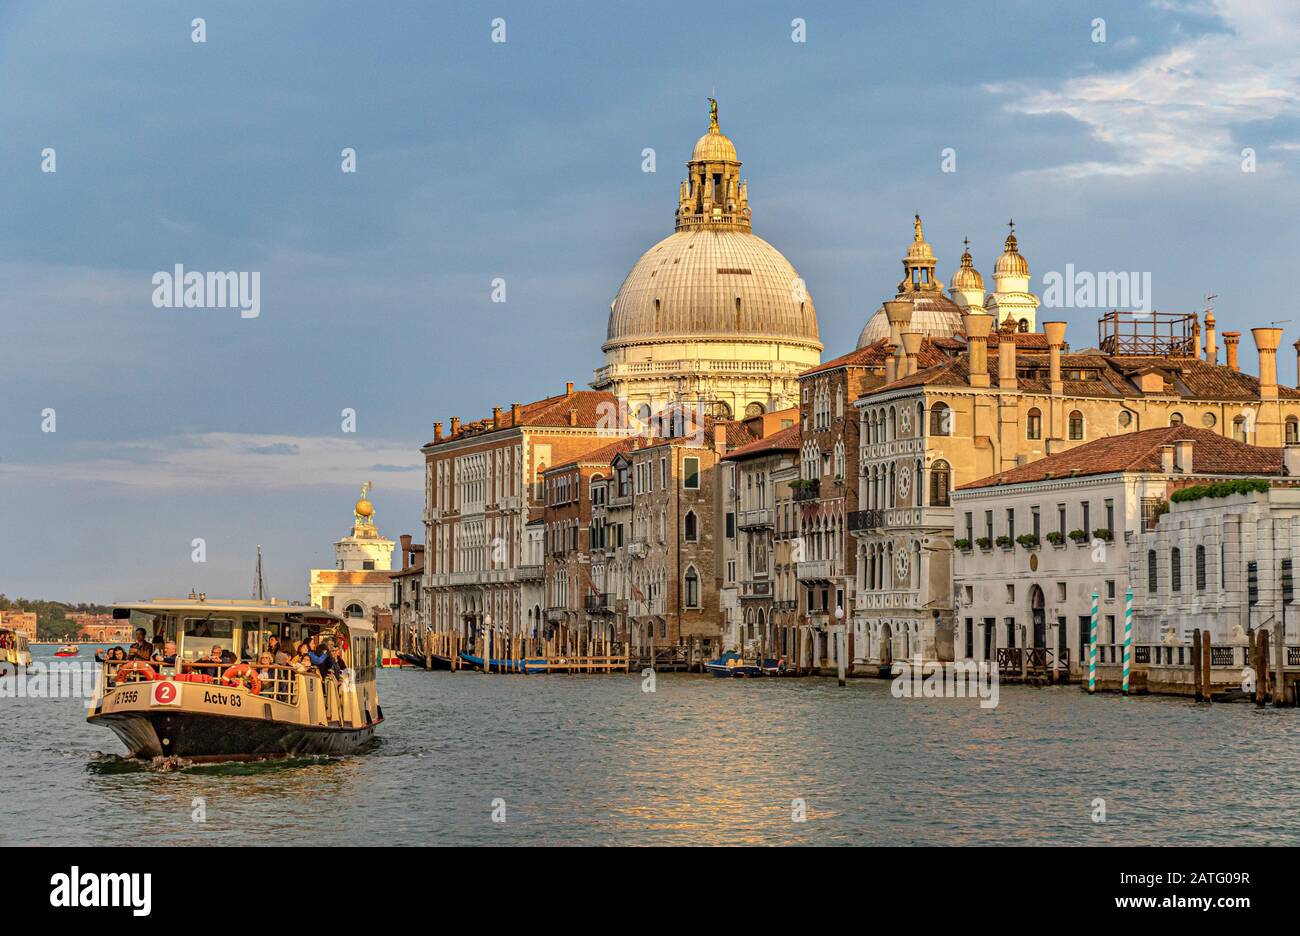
[(864, 520), (809, 489), (755, 519), (598, 604), (637, 549), (818, 570), (531, 571), (556, 615)]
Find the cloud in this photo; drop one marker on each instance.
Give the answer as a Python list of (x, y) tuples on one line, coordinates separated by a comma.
[(1182, 109), (229, 461)]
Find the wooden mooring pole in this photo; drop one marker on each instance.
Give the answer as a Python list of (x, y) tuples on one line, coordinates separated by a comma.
[(1206, 688), (1196, 665), (1261, 668)]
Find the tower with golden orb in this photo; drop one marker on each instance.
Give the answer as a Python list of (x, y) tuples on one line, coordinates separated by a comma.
[(359, 583)]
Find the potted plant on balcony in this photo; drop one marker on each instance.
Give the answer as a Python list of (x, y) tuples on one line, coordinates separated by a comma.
[(962, 544), (1103, 534), (984, 542), (1004, 541), (1080, 537), (1027, 540), (1056, 538)]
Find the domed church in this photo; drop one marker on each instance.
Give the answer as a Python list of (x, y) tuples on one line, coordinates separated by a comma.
[(938, 316), (712, 313)]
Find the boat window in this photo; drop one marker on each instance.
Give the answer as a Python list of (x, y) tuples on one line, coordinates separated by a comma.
[(202, 634)]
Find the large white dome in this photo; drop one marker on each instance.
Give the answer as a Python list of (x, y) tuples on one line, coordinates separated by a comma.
[(701, 284)]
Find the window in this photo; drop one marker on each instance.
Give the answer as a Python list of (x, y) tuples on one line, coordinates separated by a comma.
[(941, 420), (354, 610), (692, 589), (970, 526), (368, 565), (1034, 424), (988, 524), (1011, 522), (1175, 569), (731, 525), (691, 473), (690, 527), (1087, 518), (1239, 428), (1153, 577), (1011, 632), (1176, 419), (1110, 515), (1110, 588), (1037, 529), (940, 479), (1200, 568), (1060, 520), (1292, 431), (1076, 426)]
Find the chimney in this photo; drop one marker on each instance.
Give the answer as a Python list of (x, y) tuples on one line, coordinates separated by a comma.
[(1297, 362), (891, 365), (515, 413), (1055, 332), (1230, 340), (568, 388), (1007, 361), (1211, 349), (1291, 460), (1183, 456), (911, 345), (406, 550), (573, 416), (1266, 343), (978, 325), (437, 431), (720, 438), (496, 417), (455, 425), (1196, 337), (1167, 459), (899, 313)]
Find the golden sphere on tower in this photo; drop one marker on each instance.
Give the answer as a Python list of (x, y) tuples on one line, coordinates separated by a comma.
[(364, 508)]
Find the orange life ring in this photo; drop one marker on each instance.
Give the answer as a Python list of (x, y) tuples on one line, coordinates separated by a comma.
[(135, 666), (242, 671)]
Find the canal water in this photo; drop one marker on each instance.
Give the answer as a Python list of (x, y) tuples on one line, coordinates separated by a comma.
[(595, 760)]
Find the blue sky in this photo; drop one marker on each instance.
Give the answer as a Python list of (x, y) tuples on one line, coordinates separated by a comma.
[(523, 160)]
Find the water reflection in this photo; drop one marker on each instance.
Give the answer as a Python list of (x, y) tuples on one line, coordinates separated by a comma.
[(593, 760)]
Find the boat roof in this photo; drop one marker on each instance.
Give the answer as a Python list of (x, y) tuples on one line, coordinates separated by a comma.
[(271, 607)]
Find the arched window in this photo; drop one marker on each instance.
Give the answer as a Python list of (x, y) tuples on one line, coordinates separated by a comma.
[(1153, 577), (892, 432), (940, 420), (920, 418), (1076, 426), (1034, 424), (892, 486), (1175, 419), (691, 592), (1023, 325), (1200, 568), (754, 409), (940, 481), (690, 527), (1292, 431), (1175, 569), (354, 610)]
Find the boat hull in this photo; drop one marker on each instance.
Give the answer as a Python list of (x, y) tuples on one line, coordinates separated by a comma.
[(505, 666), (436, 662), (735, 672), (204, 737)]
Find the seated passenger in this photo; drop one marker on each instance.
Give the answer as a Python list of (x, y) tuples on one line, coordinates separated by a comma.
[(168, 654), (320, 656), (264, 661), (217, 655)]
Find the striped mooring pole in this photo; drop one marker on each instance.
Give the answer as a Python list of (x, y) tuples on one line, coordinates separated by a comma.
[(1092, 649), (1128, 635)]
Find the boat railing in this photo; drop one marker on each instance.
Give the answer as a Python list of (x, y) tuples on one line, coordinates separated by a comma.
[(277, 681)]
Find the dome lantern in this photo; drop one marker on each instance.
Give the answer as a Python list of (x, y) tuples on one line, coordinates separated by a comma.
[(713, 194)]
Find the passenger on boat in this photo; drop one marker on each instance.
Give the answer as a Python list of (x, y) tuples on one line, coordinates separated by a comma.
[(217, 655), (168, 654), (264, 662), (110, 655), (142, 649), (301, 661)]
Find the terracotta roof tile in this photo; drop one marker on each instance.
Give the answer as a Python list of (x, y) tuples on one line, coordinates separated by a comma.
[(1141, 451), (592, 408), (787, 440)]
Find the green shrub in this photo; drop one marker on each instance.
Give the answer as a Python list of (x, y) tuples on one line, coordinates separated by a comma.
[(984, 542), (1220, 489), (1055, 537), (1027, 540), (1004, 541), (961, 543)]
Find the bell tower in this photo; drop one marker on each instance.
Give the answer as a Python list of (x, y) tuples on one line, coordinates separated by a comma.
[(713, 195)]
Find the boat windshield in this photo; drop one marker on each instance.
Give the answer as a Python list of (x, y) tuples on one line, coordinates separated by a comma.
[(201, 636)]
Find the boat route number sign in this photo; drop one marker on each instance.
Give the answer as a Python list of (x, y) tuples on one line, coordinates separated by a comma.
[(165, 693)]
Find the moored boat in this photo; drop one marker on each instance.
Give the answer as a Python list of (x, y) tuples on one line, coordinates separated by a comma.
[(434, 661), (209, 693), (733, 664), (505, 666)]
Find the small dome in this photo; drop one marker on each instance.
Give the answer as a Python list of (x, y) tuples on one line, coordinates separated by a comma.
[(933, 315), (966, 276), (714, 146), (1010, 263)]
